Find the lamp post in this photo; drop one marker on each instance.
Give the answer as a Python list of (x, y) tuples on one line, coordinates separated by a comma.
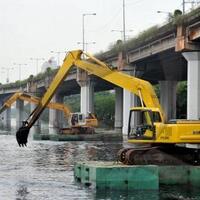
[(37, 62), (19, 65), (83, 27), (86, 44), (7, 70), (58, 55)]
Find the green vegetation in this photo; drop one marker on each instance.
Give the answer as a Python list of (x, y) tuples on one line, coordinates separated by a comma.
[(181, 99), (73, 102), (105, 108)]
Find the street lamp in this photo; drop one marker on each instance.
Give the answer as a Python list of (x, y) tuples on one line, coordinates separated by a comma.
[(86, 44), (20, 65), (7, 69), (83, 24), (58, 55), (37, 61)]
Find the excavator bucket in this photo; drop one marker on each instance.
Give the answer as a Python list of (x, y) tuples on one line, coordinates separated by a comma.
[(22, 135)]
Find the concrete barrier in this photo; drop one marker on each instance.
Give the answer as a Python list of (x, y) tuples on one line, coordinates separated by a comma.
[(116, 176)]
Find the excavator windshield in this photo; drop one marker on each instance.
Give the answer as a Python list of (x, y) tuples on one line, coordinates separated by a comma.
[(141, 123)]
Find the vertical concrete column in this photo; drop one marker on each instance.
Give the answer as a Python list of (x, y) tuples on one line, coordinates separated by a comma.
[(19, 113), (129, 101), (168, 98), (56, 117), (5, 117), (87, 97), (87, 92), (118, 109), (193, 84), (36, 129)]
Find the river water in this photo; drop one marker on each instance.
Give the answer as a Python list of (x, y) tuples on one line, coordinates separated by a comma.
[(44, 170)]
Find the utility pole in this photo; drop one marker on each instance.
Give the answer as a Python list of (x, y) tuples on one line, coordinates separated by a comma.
[(83, 28), (183, 7), (124, 23)]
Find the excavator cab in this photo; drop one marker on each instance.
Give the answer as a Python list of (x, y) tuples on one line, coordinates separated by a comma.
[(77, 119), (142, 123), (80, 119)]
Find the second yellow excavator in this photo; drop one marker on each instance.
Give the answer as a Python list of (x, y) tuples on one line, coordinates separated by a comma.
[(78, 123), (164, 138)]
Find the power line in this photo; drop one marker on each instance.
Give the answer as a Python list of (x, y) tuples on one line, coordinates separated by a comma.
[(109, 21)]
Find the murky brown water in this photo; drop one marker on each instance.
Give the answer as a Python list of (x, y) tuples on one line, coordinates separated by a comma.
[(44, 170)]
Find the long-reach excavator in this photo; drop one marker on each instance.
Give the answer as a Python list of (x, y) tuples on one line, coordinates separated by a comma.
[(78, 123), (167, 141)]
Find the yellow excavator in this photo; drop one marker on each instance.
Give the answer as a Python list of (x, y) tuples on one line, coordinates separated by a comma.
[(163, 140), (78, 122)]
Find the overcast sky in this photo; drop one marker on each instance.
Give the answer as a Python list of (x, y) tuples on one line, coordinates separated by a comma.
[(34, 28)]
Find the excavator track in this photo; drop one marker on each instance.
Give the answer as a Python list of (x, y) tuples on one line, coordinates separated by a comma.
[(159, 155)]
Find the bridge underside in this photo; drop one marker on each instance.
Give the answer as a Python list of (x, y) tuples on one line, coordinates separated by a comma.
[(167, 65)]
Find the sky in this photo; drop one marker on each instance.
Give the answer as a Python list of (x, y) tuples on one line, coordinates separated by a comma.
[(34, 28)]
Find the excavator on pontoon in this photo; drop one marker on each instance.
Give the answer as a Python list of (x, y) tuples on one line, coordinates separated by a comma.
[(77, 122), (155, 140)]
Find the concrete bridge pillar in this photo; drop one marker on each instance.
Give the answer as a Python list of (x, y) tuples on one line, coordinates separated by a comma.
[(129, 100), (20, 116), (168, 98), (87, 97), (36, 129), (118, 109), (5, 117), (193, 84), (56, 117), (87, 92)]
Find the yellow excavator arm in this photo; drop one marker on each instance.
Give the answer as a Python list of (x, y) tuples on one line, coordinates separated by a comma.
[(139, 87)]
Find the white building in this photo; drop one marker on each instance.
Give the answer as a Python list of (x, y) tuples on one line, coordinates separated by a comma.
[(50, 63)]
